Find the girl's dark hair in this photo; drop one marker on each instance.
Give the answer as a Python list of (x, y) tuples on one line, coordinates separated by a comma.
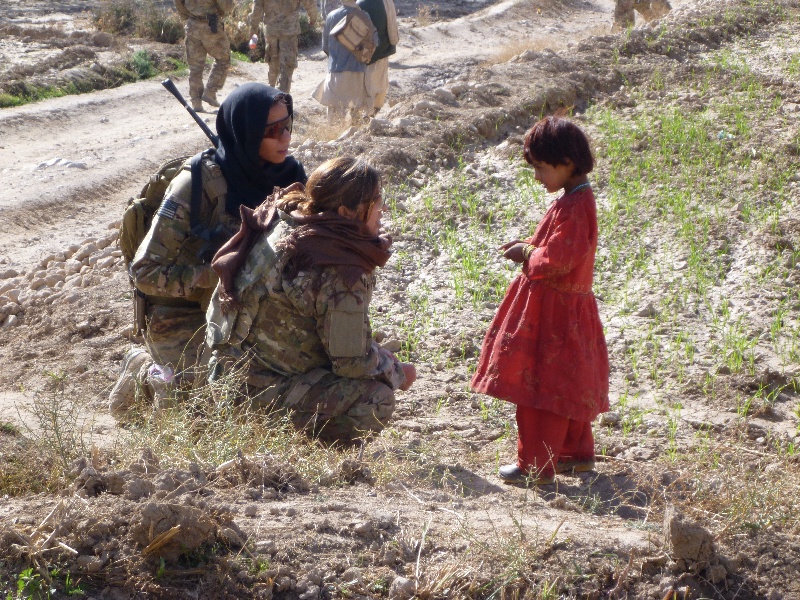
[(555, 139), (349, 182)]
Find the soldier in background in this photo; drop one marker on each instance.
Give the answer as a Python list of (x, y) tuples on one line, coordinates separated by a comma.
[(649, 9), (205, 34), (376, 77), (281, 31)]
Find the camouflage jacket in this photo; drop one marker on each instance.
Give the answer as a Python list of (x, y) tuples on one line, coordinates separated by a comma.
[(171, 262), (198, 9), (289, 327), (282, 17)]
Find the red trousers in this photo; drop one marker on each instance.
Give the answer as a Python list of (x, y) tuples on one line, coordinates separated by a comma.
[(545, 439)]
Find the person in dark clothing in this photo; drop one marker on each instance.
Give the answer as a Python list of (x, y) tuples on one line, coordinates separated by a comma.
[(376, 77)]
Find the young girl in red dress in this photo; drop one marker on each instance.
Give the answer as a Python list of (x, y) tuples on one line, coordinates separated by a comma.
[(545, 350)]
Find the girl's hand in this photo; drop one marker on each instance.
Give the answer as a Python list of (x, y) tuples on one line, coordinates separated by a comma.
[(508, 245), (515, 251)]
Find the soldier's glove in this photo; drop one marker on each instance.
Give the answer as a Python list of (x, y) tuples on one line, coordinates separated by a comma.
[(213, 22)]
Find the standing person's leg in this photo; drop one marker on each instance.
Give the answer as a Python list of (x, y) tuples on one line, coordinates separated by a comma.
[(623, 14), (336, 114), (272, 58), (376, 80), (288, 49), (219, 47), (541, 435), (577, 452), (196, 59)]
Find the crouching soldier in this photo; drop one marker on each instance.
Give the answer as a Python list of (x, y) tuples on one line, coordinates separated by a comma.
[(291, 312)]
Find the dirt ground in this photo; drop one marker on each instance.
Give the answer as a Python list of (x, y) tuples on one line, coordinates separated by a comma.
[(67, 168)]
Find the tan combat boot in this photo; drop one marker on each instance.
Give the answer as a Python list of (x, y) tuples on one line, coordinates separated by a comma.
[(123, 395), (210, 98)]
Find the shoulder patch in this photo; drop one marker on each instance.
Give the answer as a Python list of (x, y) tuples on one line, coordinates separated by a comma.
[(347, 333), (168, 209)]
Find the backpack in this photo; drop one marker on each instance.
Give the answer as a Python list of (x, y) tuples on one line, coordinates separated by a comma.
[(355, 32), (139, 212)]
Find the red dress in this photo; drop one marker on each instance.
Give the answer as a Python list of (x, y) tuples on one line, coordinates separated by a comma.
[(545, 347)]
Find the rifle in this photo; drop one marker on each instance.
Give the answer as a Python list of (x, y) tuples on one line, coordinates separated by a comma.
[(140, 299), (211, 238), (168, 83)]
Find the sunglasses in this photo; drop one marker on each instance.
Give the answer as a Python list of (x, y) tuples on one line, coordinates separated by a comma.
[(275, 130)]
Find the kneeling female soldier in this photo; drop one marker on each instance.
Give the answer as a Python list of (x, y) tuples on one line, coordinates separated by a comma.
[(292, 305)]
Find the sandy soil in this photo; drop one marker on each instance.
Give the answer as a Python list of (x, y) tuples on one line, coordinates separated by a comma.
[(69, 165)]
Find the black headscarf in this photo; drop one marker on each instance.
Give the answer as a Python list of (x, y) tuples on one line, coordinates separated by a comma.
[(241, 121)]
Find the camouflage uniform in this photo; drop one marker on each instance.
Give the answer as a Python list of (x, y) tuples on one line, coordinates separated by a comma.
[(172, 268), (306, 344), (200, 40), (280, 32), (649, 9)]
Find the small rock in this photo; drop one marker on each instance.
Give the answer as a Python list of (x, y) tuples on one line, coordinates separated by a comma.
[(364, 529), (353, 574), (647, 311), (609, 419), (84, 251), (402, 588), (348, 133), (687, 541), (392, 345), (311, 592), (91, 564), (716, 573), (444, 95)]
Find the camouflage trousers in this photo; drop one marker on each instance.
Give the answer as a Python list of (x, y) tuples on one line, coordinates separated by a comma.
[(175, 335), (200, 42), (175, 339), (281, 56), (649, 9), (325, 405)]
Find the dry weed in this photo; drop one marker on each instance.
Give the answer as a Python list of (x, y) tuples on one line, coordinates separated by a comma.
[(210, 425)]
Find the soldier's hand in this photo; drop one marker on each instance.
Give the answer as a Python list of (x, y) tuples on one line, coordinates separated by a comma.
[(410, 371), (279, 193)]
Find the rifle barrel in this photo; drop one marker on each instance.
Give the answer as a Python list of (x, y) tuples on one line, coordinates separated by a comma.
[(172, 89)]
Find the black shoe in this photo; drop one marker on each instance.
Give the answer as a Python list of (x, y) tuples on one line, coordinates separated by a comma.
[(513, 474)]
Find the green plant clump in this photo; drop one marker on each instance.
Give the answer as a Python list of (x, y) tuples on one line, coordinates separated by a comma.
[(142, 18)]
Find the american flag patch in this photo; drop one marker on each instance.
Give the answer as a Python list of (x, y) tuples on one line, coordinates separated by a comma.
[(168, 209)]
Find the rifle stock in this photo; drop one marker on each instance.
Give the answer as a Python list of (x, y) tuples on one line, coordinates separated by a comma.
[(172, 89)]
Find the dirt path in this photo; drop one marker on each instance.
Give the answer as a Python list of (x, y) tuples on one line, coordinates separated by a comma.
[(70, 164)]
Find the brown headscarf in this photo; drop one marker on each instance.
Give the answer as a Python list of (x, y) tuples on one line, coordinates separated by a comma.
[(320, 240)]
